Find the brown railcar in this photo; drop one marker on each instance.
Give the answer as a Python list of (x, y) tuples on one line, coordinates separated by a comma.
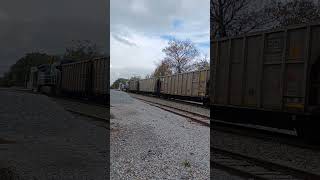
[(89, 78), (192, 85), (148, 85), (270, 77)]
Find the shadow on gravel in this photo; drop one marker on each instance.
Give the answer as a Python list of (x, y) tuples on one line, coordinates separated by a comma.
[(112, 116), (4, 141), (11, 174)]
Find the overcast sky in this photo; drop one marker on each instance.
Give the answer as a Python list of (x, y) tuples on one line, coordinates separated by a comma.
[(49, 26), (139, 30)]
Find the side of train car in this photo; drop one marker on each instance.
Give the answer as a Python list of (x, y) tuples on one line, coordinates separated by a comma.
[(189, 86), (86, 79), (269, 78)]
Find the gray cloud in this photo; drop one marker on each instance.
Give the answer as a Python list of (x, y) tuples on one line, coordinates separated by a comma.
[(146, 23), (153, 16), (49, 26), (122, 40)]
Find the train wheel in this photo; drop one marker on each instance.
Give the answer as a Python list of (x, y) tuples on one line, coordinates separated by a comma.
[(206, 102)]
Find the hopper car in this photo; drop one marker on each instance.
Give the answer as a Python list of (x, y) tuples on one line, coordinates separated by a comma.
[(270, 78), (192, 86)]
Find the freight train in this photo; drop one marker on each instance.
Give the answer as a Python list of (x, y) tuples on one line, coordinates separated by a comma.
[(270, 78), (189, 86), (87, 79)]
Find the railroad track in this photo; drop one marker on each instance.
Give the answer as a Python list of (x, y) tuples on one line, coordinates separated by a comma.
[(249, 167), (266, 133), (199, 118), (181, 101)]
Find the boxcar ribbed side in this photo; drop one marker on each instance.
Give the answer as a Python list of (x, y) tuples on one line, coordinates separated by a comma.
[(148, 85), (189, 84), (89, 78), (273, 75), (133, 85)]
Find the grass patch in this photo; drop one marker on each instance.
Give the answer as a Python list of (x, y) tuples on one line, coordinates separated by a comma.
[(186, 164)]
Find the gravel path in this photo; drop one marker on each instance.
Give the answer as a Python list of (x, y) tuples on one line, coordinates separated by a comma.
[(296, 157), (149, 143), (50, 143)]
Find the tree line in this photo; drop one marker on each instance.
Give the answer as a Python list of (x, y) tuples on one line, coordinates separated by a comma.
[(235, 17), (20, 71)]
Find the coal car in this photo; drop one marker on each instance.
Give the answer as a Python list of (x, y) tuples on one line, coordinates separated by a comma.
[(189, 86), (270, 78), (133, 85)]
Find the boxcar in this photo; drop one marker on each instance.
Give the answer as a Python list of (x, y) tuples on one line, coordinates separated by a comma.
[(133, 85), (270, 77), (148, 85), (89, 78), (189, 85)]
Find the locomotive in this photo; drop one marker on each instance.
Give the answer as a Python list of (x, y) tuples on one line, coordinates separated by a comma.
[(87, 79)]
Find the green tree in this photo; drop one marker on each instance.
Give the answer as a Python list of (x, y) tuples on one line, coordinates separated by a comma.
[(20, 71), (116, 84)]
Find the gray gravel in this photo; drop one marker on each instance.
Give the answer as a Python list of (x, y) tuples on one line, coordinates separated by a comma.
[(149, 143), (296, 157), (50, 143)]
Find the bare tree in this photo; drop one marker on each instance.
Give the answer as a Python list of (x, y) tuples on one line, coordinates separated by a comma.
[(82, 49), (135, 78), (162, 69), (202, 63), (180, 54), (233, 17), (292, 12)]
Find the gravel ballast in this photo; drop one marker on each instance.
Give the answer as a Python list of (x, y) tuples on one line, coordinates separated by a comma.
[(188, 107), (150, 143), (49, 142), (287, 155)]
